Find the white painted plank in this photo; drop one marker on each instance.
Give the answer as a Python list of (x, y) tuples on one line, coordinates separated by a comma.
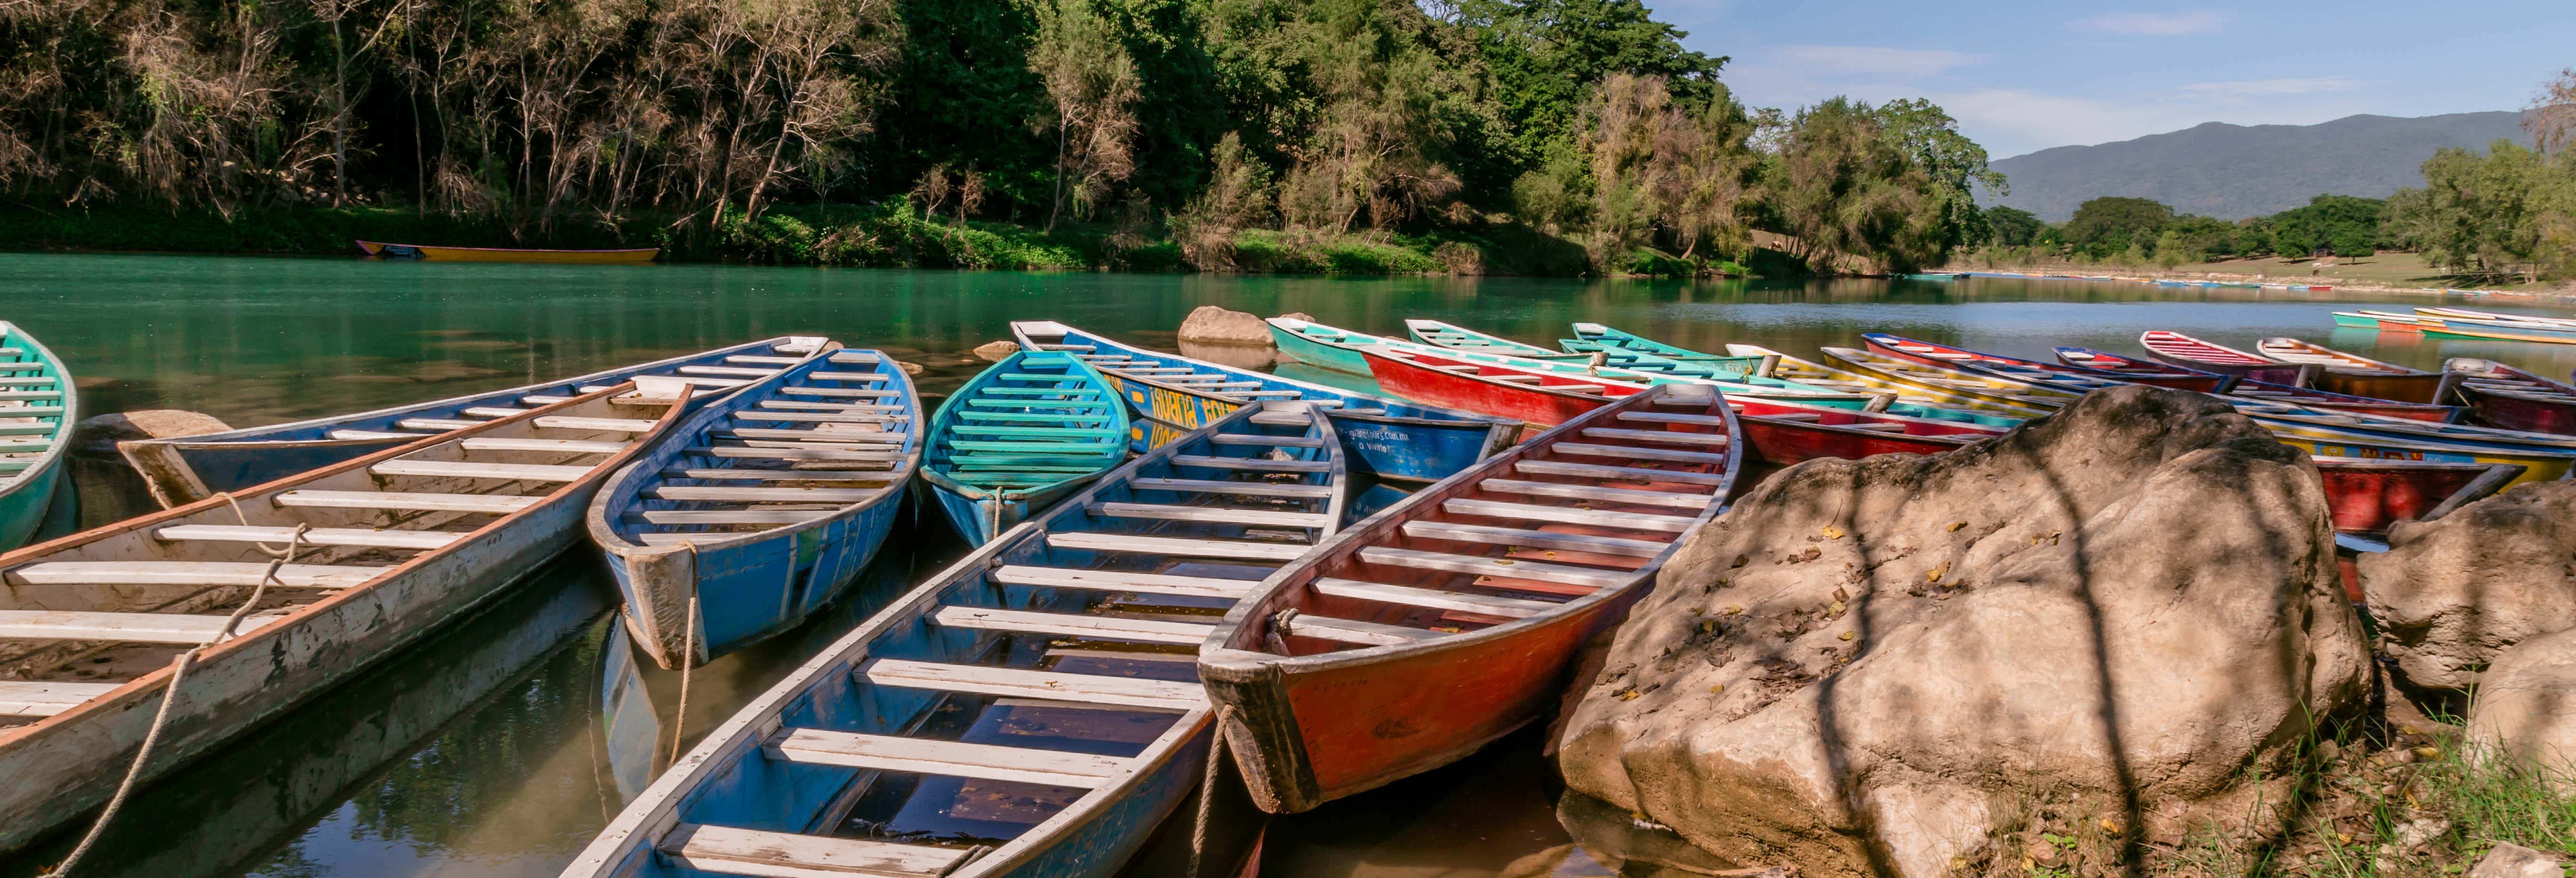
[(1074, 625), (744, 371), (786, 475), (517, 472), (1533, 539), (1703, 420), (189, 573), (1515, 568), (435, 424), (1656, 436), (1253, 464), (41, 698), (1022, 683), (726, 850), (1355, 631), (831, 417), (1490, 605), (1249, 489), (1100, 542), (615, 425), (728, 516), (946, 758), (566, 446), (495, 504), (763, 494), (1671, 499), (320, 536), (792, 453), (1634, 520), (1116, 580), (341, 434), (1622, 473), (122, 627), (1635, 453), (1211, 514), (1267, 441)]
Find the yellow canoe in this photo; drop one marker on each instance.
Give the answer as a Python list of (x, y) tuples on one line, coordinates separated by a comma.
[(504, 254)]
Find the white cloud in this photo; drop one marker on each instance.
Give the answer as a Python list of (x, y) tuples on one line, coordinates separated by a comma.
[(2153, 24), (1875, 60), (2012, 117), (2273, 87)]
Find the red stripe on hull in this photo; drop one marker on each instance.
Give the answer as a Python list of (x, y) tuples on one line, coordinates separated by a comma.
[(2516, 413)]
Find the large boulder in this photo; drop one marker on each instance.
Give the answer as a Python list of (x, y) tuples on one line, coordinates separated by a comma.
[(1213, 325), (2451, 593), (1864, 666), (2526, 705), (996, 351)]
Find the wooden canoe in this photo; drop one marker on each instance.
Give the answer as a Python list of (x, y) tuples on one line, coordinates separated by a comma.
[(2499, 330), (2114, 364), (2063, 375), (1031, 712), (1936, 402), (38, 406), (192, 468), (2307, 397), (761, 508), (1444, 335), (1593, 336), (2366, 496), (1344, 342), (2357, 375), (2466, 314), (1023, 434), (1169, 396), (2191, 353), (429, 253), (1981, 386), (1453, 617), (400, 541), (2511, 398), (2382, 321)]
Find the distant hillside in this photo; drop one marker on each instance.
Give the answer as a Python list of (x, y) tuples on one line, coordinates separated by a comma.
[(2234, 171)]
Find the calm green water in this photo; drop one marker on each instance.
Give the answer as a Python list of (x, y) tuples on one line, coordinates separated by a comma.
[(482, 753)]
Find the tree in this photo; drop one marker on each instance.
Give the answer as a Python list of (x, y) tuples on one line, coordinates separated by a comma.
[(2552, 117), (1545, 55), (1844, 188), (2012, 226), (2110, 225), (2484, 214), (1092, 89), (1955, 164)]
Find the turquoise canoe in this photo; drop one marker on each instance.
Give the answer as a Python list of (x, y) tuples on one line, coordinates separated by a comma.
[(38, 405), (1334, 348), (1035, 427)]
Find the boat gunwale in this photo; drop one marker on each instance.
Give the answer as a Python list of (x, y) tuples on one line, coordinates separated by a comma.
[(1493, 443), (282, 625), (743, 733), (2367, 367), (929, 435)]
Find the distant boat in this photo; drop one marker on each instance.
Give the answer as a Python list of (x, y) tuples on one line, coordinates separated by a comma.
[(637, 256), (37, 408), (2466, 314), (2357, 375), (2380, 320), (2191, 353)]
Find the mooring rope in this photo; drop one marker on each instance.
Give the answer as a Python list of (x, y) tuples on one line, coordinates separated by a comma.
[(688, 662), (278, 558), (1207, 789)]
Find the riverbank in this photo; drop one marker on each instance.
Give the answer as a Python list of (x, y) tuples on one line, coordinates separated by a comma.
[(885, 235), (2381, 274)]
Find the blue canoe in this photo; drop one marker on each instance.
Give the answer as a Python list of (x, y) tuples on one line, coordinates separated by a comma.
[(1033, 711), (1173, 395), (762, 508), (185, 470), (38, 405), (1033, 428)]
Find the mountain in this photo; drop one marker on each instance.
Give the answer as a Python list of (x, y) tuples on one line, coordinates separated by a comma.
[(2236, 171)]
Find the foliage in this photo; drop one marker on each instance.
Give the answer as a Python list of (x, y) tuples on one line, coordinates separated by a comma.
[(2012, 226), (1544, 55), (2484, 215), (1842, 187), (1092, 90), (2111, 225)]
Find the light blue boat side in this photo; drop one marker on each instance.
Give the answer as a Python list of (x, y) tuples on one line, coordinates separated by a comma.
[(1033, 711), (1300, 337), (1590, 336), (1172, 395), (1031, 429), (38, 405), (697, 517), (189, 469)]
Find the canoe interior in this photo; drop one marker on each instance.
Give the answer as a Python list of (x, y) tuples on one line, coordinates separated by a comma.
[(764, 506), (1444, 335), (38, 405), (2064, 375), (1453, 617), (1031, 428), (2514, 399), (1031, 711), (1171, 395), (184, 470)]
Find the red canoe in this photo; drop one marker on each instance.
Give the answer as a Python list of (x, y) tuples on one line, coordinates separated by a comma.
[(2265, 392), (1933, 354), (2191, 353), (2357, 375), (1454, 617), (2369, 495), (2105, 361), (2504, 396)]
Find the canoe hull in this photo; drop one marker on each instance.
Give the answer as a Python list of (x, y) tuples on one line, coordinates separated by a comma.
[(1533, 407), (428, 253), (1338, 358), (2422, 387), (978, 517), (64, 765), (1962, 358), (34, 491), (2520, 413), (2366, 497)]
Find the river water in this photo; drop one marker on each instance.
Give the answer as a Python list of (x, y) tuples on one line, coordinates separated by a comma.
[(480, 752)]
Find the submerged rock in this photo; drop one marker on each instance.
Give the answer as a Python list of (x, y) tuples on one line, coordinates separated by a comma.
[(97, 436), (1864, 665), (997, 351), (2452, 593), (2523, 705), (1214, 325)]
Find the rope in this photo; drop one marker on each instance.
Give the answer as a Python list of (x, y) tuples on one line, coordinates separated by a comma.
[(688, 661), (278, 557), (1207, 790)]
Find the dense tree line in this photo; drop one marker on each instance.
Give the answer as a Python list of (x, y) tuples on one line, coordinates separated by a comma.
[(2506, 214), (1193, 122)]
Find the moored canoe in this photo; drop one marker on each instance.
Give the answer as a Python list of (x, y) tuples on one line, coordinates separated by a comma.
[(2512, 398), (426, 252), (2357, 375), (2191, 353), (1445, 335), (1452, 618), (1030, 712), (38, 406), (2070, 377), (384, 549), (759, 511), (1019, 436), (191, 468)]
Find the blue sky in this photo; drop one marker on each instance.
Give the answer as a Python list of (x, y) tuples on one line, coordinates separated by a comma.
[(2027, 76)]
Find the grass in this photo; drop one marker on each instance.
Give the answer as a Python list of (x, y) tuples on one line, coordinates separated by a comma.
[(2388, 269), (2390, 802)]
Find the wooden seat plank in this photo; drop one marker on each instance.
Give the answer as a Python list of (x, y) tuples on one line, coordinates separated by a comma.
[(566, 446), (494, 504), (1116, 580), (1656, 436), (1355, 631), (763, 494), (319, 536), (611, 425), (1514, 568), (1618, 473), (1023, 683), (1267, 441), (1636, 453), (43, 698), (189, 573), (1253, 464), (517, 472), (1529, 512), (727, 850), (1214, 514), (1533, 539), (1516, 608), (1073, 624), (120, 627), (727, 516), (786, 475), (946, 758), (1212, 486), (1596, 492), (1100, 542)]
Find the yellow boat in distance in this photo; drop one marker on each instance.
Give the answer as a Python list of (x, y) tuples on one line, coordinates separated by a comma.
[(504, 254)]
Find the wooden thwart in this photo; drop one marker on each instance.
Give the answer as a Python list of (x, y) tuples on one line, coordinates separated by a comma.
[(1018, 683), (948, 758), (319, 536), (494, 504), (121, 627), (517, 472), (1073, 624), (1101, 542), (1115, 580), (724, 849), (40, 698), (1490, 605), (189, 573)]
